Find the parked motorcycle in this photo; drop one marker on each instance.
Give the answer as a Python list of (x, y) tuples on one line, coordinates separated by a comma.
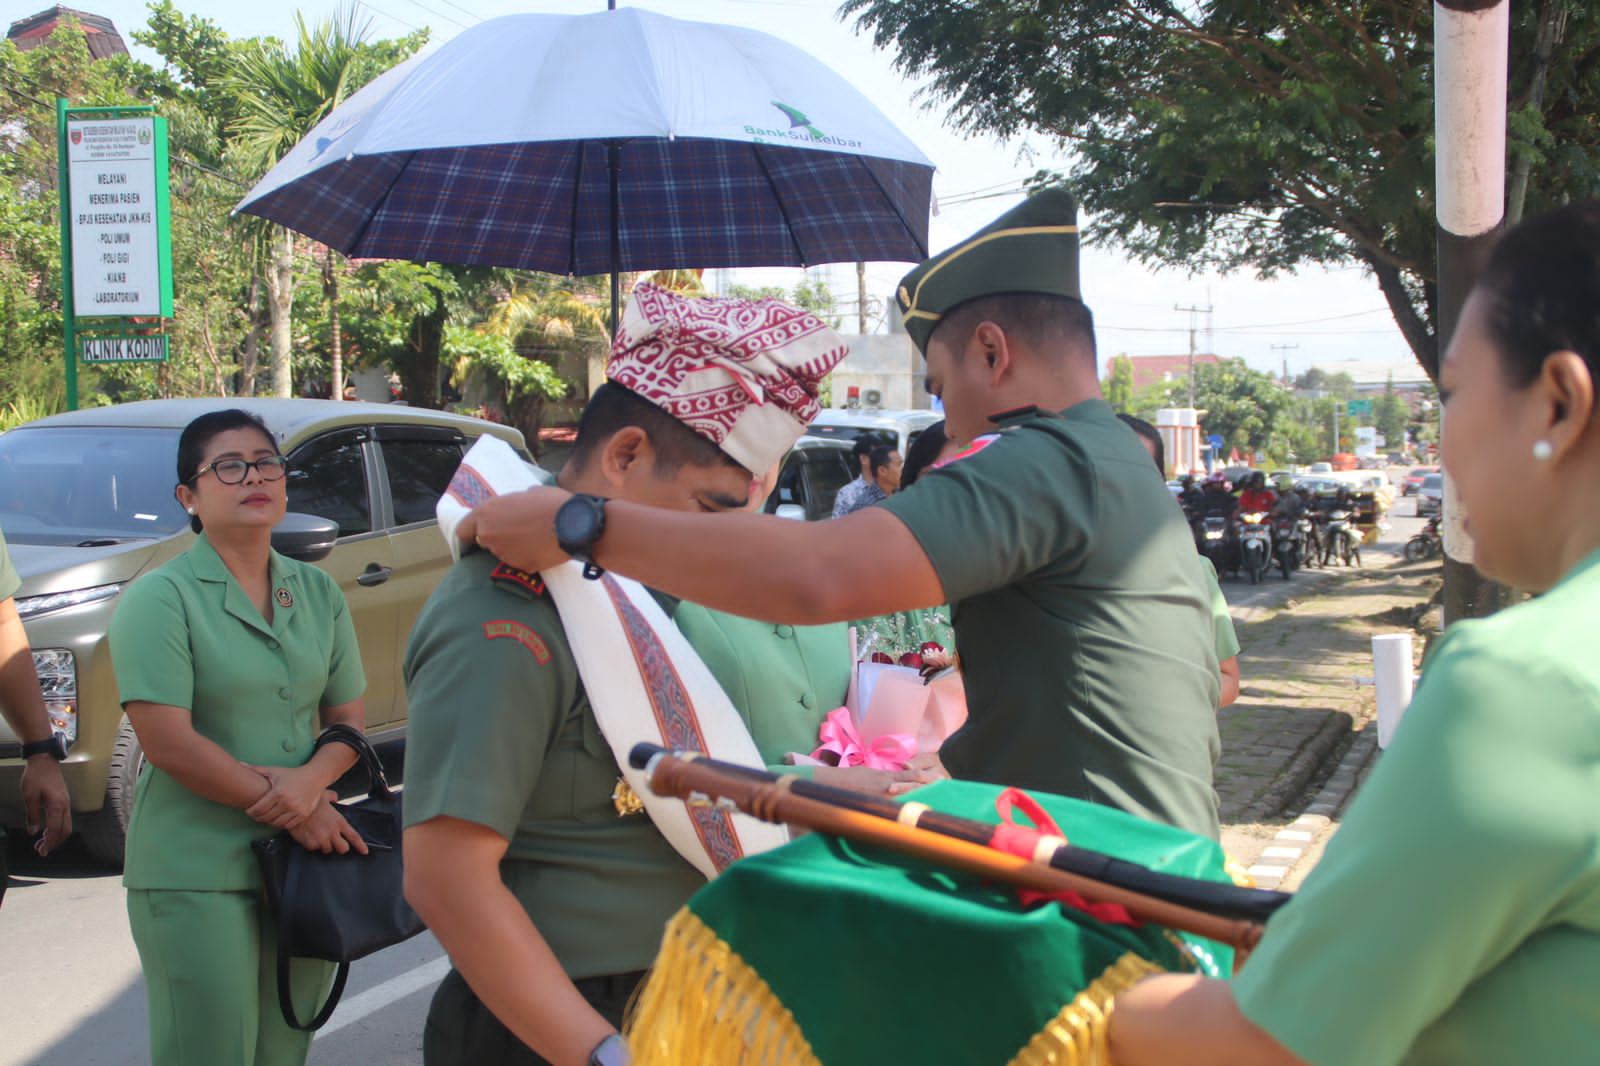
[(1427, 544), (1341, 538), (1255, 545)]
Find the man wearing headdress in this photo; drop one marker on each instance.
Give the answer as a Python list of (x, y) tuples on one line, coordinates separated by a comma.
[(522, 853), (1085, 636)]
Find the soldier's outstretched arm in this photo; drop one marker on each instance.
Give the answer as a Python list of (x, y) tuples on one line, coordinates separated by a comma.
[(452, 879), (803, 573)]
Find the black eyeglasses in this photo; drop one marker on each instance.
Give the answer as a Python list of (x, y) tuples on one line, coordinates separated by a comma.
[(233, 471)]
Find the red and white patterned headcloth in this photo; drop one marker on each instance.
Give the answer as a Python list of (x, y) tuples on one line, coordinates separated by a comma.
[(743, 374)]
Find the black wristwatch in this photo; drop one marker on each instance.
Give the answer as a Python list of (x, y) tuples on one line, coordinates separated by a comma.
[(579, 523), (609, 1052), (54, 746)]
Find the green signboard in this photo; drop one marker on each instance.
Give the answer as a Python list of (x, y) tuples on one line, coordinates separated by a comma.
[(116, 244), (150, 348), (1359, 408)]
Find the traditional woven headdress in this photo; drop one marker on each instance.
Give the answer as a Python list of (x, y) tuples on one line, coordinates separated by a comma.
[(743, 374)]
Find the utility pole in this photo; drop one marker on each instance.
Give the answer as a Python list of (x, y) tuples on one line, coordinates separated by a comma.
[(1335, 428), (1285, 348), (861, 298), (1470, 59), (1193, 311)]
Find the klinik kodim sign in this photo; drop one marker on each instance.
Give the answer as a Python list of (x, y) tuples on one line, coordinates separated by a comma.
[(116, 248)]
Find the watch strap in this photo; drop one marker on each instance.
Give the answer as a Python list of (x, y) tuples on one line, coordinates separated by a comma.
[(52, 746)]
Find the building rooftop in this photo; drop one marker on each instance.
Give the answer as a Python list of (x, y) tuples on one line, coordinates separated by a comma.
[(1375, 374), (1150, 369), (98, 31)]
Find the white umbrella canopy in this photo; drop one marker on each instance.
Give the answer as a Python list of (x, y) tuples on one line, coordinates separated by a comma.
[(619, 140)]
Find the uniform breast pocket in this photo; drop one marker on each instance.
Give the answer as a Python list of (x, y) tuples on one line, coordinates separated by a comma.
[(595, 773)]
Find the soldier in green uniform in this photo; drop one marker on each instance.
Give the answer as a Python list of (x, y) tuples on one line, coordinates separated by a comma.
[(1085, 634), (44, 791), (549, 894)]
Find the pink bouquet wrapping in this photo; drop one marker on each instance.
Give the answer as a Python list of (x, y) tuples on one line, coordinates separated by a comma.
[(892, 713)]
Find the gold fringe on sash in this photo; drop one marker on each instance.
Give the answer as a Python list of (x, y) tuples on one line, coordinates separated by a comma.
[(1077, 1036), (735, 1018)]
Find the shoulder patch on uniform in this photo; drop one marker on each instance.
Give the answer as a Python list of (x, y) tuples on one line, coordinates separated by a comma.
[(978, 445), (522, 634), (510, 576)]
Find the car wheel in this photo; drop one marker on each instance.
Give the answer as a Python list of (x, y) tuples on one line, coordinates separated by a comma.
[(105, 832)]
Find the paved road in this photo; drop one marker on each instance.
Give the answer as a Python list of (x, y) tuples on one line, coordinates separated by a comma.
[(71, 992)]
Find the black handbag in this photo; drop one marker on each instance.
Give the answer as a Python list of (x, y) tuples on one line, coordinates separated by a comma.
[(334, 907)]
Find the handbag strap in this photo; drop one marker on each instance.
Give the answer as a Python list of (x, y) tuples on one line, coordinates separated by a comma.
[(286, 1003), (291, 891), (366, 754)]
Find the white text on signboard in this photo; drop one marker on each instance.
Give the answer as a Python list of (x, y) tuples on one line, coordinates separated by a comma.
[(116, 256), (146, 349)]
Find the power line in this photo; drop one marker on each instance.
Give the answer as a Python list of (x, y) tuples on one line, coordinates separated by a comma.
[(392, 18), (439, 14)]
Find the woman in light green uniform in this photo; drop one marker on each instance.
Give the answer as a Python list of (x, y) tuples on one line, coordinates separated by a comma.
[(1455, 917), (227, 658)]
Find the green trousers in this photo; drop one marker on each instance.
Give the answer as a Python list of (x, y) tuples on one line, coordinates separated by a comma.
[(210, 975)]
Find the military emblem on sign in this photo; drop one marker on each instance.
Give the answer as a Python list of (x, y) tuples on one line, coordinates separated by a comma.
[(285, 599), (77, 136), (144, 135)]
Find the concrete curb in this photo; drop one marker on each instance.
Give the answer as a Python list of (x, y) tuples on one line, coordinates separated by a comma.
[(1292, 842), (1300, 771)]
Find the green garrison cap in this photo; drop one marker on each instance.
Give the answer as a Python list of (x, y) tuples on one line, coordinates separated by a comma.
[(1031, 248)]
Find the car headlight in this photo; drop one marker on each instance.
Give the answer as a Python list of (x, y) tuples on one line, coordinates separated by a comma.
[(58, 682), (33, 606)]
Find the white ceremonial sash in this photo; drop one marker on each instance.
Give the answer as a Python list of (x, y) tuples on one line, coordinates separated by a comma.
[(644, 680)]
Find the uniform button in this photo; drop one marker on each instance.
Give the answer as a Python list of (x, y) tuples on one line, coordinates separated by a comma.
[(784, 632), (272, 645), (807, 700), (288, 745), (283, 693)]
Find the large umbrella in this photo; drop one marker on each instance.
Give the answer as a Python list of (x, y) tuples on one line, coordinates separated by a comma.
[(620, 140)]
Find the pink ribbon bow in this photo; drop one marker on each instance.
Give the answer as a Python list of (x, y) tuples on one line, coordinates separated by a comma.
[(841, 740)]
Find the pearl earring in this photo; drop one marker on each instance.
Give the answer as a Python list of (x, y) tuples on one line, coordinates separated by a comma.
[(191, 510), (1542, 450)]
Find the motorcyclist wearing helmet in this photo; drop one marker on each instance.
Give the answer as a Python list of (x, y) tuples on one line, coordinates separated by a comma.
[(1256, 496), (1289, 505), (1217, 500)]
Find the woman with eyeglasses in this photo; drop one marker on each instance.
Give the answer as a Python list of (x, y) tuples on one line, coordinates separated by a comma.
[(229, 660)]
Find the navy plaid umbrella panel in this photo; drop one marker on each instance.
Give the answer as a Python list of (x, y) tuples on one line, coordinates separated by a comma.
[(728, 146)]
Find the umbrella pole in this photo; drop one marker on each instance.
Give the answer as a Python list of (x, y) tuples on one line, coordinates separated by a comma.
[(614, 166)]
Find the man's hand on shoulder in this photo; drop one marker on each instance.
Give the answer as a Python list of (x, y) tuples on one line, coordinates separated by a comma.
[(518, 528)]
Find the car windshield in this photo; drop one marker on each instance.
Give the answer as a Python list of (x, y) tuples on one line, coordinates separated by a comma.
[(88, 485), (1421, 471), (1433, 481), (850, 433)]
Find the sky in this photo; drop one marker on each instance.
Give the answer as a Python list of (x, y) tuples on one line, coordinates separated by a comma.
[(1316, 317)]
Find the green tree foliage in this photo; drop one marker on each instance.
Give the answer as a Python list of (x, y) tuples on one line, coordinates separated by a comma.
[(1391, 414), (1247, 408), (814, 295), (1119, 383), (1248, 134)]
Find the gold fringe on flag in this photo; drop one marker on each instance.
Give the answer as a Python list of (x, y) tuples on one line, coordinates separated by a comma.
[(731, 1016), (736, 1018), (1077, 1036)]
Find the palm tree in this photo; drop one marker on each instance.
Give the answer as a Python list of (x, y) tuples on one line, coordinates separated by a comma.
[(281, 96)]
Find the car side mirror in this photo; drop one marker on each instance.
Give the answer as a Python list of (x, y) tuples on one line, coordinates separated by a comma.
[(306, 537), (791, 510)]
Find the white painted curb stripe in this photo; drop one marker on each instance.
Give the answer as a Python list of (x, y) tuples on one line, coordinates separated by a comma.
[(377, 997)]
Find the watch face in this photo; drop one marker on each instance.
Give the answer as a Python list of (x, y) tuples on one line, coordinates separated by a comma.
[(575, 522)]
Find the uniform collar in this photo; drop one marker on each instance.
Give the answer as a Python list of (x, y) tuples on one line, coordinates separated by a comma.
[(208, 566)]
